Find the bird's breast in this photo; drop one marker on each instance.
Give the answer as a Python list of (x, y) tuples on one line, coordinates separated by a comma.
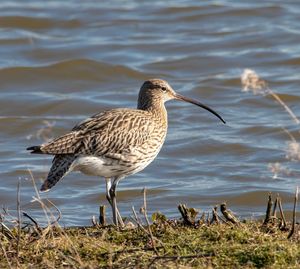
[(126, 162)]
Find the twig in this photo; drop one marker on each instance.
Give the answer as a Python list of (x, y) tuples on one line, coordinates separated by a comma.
[(185, 257), (7, 232), (36, 225), (186, 215), (102, 217), (215, 217), (200, 255), (278, 99), (268, 212), (130, 250), (208, 219), (294, 214), (39, 200), (57, 209), (283, 221), (228, 214), (275, 206), (137, 221), (6, 212), (147, 221), (289, 134), (223, 220), (94, 221), (19, 219)]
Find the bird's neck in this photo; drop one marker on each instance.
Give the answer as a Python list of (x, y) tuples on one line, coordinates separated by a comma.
[(157, 109)]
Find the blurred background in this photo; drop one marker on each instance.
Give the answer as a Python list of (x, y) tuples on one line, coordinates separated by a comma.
[(62, 61)]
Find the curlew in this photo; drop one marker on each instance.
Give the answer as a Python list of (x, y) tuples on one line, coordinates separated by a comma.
[(115, 143)]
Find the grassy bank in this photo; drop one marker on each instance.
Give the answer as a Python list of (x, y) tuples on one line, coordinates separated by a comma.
[(214, 243)]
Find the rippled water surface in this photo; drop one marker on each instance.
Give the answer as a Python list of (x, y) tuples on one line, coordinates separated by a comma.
[(64, 61)]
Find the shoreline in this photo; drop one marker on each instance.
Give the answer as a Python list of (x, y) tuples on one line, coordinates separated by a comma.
[(215, 240)]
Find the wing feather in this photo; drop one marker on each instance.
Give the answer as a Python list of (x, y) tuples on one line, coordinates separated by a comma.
[(114, 131)]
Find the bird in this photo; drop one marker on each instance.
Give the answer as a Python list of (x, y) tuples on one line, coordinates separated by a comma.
[(115, 143)]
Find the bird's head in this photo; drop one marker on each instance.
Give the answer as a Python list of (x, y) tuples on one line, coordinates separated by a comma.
[(157, 91)]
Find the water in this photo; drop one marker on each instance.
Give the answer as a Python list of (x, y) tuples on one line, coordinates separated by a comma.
[(62, 62)]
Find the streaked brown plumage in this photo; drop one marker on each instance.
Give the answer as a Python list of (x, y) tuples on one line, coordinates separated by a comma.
[(115, 143)]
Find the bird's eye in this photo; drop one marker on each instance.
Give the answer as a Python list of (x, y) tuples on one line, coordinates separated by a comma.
[(164, 89)]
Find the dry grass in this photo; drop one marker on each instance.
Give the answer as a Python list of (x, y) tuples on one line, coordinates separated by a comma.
[(200, 243), (249, 245)]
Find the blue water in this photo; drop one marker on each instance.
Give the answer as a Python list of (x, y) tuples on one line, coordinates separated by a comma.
[(64, 61)]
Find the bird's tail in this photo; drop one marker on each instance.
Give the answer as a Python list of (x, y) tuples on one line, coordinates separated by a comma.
[(60, 167), (35, 149)]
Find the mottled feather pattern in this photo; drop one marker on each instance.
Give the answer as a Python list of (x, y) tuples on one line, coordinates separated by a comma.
[(113, 131), (60, 167), (120, 136)]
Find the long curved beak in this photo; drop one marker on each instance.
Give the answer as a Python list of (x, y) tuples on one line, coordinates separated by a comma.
[(194, 102)]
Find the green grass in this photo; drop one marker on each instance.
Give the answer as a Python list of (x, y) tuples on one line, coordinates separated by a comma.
[(248, 245)]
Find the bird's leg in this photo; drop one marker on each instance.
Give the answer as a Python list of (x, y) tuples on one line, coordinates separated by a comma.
[(114, 204), (116, 215), (110, 200), (108, 186)]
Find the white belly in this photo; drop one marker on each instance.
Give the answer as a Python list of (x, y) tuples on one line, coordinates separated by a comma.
[(92, 165), (104, 167), (113, 165)]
